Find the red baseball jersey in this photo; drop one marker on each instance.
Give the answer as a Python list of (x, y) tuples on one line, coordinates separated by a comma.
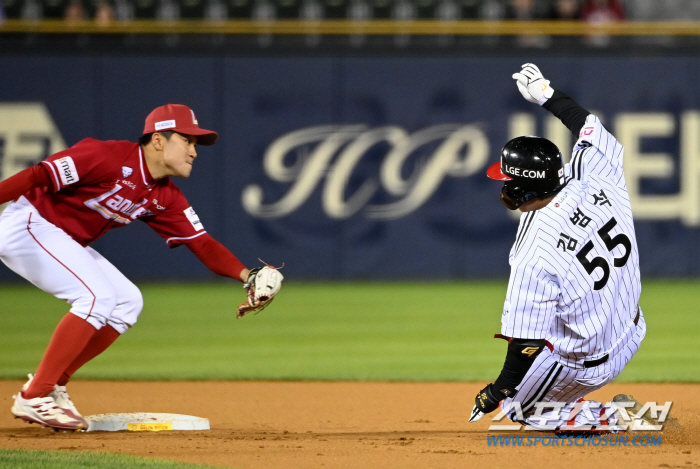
[(100, 185)]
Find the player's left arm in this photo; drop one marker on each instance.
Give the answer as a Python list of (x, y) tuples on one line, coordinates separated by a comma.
[(519, 358), (218, 258), (178, 223), (529, 312)]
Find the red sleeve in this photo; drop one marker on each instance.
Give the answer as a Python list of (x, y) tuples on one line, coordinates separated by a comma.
[(87, 162), (178, 223), (24, 181), (216, 257)]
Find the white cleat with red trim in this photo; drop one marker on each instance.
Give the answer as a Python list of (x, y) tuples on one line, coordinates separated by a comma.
[(55, 411), (64, 402), (45, 412)]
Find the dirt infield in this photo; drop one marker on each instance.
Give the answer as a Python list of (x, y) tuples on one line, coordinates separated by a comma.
[(340, 425)]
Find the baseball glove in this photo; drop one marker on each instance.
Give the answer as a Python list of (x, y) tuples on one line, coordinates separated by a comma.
[(261, 287)]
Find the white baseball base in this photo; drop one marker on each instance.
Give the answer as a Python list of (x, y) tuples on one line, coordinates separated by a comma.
[(145, 422)]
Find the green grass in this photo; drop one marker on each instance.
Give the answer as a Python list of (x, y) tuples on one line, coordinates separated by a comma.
[(28, 459), (331, 331)]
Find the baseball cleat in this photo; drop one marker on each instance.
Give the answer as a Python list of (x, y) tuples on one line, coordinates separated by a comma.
[(64, 402), (644, 421), (45, 412), (29, 381)]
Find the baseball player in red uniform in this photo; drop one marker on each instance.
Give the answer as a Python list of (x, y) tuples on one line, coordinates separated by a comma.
[(63, 204)]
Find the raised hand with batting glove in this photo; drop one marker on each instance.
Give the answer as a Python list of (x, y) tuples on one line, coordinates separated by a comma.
[(532, 84), (262, 286)]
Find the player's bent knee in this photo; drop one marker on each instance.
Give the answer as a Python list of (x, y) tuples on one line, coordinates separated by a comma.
[(131, 300), (128, 310), (136, 303), (95, 308), (119, 325), (94, 321), (135, 306)]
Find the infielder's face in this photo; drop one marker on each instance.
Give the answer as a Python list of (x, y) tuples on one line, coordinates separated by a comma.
[(179, 154)]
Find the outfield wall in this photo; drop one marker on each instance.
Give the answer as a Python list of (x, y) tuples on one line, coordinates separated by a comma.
[(354, 167)]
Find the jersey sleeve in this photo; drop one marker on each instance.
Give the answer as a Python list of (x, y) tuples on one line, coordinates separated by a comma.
[(86, 162), (178, 223), (36, 176), (571, 114), (531, 303), (216, 257), (597, 152)]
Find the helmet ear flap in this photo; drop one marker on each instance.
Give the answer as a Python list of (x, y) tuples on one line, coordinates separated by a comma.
[(506, 199), (513, 196)]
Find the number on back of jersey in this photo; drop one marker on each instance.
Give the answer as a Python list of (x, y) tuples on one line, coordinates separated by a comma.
[(600, 262)]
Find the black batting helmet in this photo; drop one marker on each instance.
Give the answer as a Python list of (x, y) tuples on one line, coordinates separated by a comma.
[(532, 168)]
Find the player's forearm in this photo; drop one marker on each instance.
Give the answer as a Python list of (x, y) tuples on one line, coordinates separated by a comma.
[(572, 115), (521, 354), (520, 357), (217, 258), (23, 182)]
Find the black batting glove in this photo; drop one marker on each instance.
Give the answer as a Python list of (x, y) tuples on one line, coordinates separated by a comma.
[(486, 401)]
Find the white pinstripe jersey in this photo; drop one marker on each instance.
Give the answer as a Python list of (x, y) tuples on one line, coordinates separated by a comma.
[(575, 264)]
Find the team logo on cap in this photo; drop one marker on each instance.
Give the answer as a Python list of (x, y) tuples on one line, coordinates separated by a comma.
[(126, 171), (194, 119), (165, 125)]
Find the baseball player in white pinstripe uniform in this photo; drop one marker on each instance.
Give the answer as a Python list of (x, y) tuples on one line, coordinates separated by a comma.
[(571, 314)]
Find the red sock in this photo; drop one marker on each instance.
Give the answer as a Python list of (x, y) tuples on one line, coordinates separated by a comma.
[(98, 344), (69, 339)]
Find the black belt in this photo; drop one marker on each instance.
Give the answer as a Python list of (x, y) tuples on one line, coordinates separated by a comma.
[(604, 358)]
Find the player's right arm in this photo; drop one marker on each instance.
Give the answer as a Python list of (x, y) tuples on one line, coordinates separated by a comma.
[(569, 112), (75, 165), (535, 88), (596, 151), (24, 181)]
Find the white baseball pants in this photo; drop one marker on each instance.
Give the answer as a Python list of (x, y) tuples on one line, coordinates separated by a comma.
[(50, 259), (550, 391)]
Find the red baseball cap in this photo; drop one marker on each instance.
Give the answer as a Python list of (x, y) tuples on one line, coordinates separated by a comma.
[(181, 119)]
